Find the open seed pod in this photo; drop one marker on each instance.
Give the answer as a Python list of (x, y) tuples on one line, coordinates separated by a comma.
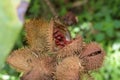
[(61, 34), (93, 56), (73, 48)]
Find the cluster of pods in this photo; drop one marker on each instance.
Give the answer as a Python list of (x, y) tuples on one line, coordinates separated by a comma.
[(51, 53)]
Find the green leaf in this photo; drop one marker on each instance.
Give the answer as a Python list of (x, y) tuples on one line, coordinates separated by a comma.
[(98, 26), (110, 32), (10, 27), (100, 37), (117, 24)]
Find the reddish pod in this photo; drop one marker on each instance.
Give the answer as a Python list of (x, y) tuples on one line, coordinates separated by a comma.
[(60, 39)]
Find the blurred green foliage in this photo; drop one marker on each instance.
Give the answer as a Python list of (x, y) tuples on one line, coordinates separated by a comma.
[(10, 27), (99, 20)]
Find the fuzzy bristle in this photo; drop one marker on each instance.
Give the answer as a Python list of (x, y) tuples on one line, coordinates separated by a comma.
[(34, 66), (39, 34), (74, 48), (69, 69), (45, 59), (18, 59), (42, 70), (93, 56)]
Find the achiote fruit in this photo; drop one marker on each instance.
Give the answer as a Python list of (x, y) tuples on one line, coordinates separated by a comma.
[(53, 55)]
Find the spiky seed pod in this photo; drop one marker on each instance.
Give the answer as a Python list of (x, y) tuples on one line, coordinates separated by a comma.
[(74, 48), (39, 34), (69, 69), (36, 75), (34, 66), (42, 70), (69, 62), (93, 56), (61, 34), (35, 61), (21, 59), (62, 27)]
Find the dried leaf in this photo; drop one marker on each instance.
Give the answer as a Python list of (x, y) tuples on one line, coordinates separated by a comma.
[(70, 18)]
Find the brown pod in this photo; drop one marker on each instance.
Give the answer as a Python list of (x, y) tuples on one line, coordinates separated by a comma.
[(73, 48), (34, 66), (39, 34), (35, 62), (42, 70), (21, 59), (61, 27), (93, 56), (70, 18), (38, 60), (69, 69)]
